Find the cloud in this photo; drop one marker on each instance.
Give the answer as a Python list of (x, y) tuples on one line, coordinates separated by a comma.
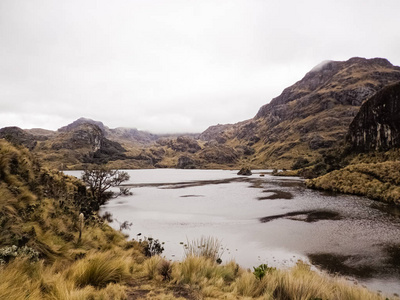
[(173, 65)]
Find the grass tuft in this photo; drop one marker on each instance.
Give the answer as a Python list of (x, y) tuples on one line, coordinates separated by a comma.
[(99, 269)]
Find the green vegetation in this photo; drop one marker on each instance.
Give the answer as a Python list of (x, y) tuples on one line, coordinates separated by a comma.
[(261, 270), (48, 251)]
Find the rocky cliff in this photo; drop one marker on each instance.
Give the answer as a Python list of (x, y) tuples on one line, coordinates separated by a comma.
[(377, 125)]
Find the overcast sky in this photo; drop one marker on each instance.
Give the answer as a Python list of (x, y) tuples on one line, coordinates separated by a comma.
[(174, 66)]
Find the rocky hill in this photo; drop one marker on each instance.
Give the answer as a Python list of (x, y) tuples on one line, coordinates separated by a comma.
[(131, 136), (373, 154), (310, 116), (74, 145)]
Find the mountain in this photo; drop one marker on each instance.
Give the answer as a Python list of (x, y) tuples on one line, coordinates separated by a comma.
[(298, 127), (311, 116)]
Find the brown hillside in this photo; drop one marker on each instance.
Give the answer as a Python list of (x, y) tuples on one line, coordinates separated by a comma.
[(310, 116)]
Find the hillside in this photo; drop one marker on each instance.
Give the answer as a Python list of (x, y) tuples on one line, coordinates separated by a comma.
[(310, 116), (373, 141)]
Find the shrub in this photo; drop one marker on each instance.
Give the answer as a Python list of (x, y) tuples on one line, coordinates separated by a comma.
[(10, 252), (152, 247), (261, 270), (301, 162)]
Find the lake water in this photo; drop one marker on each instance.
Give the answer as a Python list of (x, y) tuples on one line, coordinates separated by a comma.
[(264, 219)]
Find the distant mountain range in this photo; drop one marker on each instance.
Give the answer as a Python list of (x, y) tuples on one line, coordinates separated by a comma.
[(308, 119)]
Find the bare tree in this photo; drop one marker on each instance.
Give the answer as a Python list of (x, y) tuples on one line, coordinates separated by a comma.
[(99, 182)]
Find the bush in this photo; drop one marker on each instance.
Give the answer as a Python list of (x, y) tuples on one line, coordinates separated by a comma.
[(301, 162), (152, 247), (10, 252), (261, 270)]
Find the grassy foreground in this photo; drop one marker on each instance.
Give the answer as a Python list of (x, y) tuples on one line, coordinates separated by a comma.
[(42, 257)]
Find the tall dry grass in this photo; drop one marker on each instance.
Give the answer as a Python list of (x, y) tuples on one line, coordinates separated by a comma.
[(99, 269), (209, 247)]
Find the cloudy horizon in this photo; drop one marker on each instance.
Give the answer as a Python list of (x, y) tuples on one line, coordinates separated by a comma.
[(174, 66)]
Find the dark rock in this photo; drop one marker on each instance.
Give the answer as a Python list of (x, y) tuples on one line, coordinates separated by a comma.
[(184, 144), (377, 125), (245, 171), (17, 136)]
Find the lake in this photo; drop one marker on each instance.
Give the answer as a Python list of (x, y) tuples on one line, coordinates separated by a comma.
[(264, 219)]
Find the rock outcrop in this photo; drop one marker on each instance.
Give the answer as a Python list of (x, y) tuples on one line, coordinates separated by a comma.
[(18, 136), (90, 138), (245, 171), (377, 125)]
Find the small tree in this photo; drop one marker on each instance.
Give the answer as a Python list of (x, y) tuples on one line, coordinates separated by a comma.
[(99, 182)]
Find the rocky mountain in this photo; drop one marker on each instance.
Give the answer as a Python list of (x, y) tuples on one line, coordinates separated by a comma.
[(310, 116), (120, 134), (377, 124), (82, 143), (308, 119)]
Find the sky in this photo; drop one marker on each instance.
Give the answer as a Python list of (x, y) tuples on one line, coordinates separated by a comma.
[(174, 66)]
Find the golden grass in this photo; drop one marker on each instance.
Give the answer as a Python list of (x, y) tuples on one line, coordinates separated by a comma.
[(380, 181), (103, 265), (100, 269)]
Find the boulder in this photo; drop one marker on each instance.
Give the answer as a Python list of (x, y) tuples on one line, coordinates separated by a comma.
[(245, 171)]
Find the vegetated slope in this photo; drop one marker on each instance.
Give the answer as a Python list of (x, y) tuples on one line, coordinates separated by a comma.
[(42, 256), (310, 116), (373, 143), (86, 141)]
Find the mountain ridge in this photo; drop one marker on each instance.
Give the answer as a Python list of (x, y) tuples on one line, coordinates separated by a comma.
[(307, 119)]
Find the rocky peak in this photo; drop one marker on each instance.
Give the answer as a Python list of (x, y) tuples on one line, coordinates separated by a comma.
[(335, 83), (84, 135), (81, 121)]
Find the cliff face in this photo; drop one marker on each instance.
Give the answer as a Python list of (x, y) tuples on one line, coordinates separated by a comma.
[(377, 125)]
